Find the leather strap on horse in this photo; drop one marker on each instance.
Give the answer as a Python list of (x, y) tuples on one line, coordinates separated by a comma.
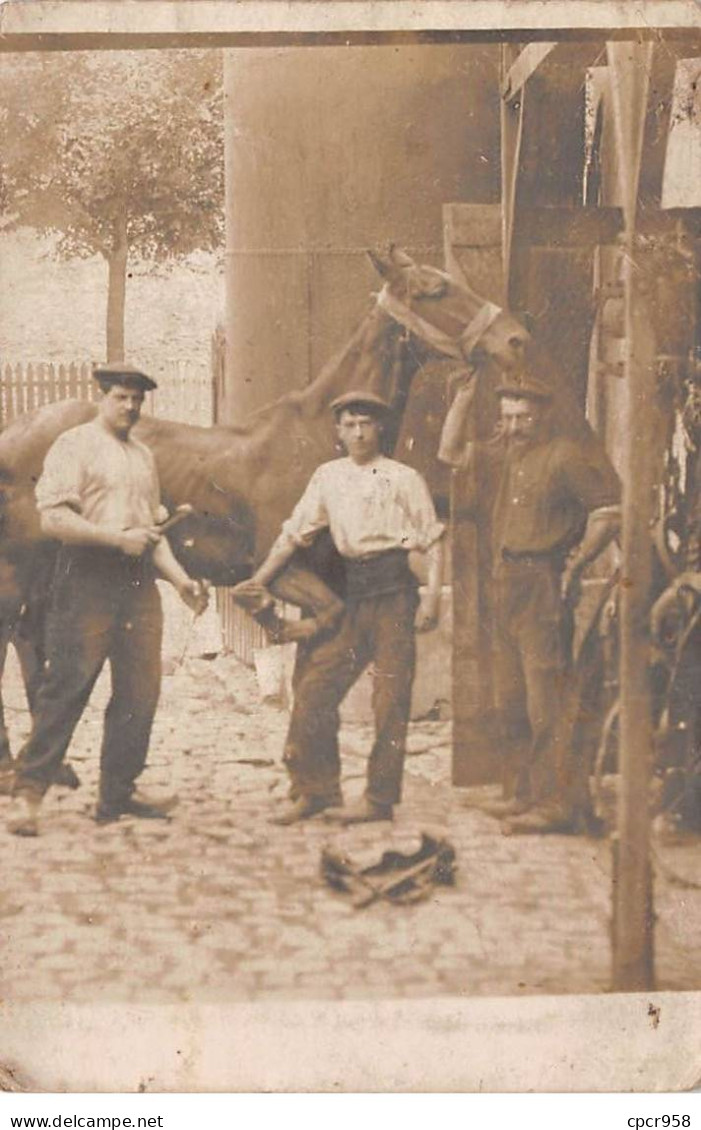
[(457, 347)]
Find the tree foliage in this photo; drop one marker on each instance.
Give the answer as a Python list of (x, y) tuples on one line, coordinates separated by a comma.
[(94, 142)]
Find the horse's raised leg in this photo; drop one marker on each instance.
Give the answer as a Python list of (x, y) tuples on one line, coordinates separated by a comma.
[(295, 585), (305, 589)]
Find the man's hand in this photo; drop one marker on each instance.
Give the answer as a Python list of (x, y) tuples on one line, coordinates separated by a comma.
[(136, 541), (195, 594), (252, 595), (428, 612), (571, 585), (671, 610)]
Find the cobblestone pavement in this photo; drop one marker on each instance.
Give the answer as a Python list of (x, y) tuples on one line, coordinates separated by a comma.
[(220, 906)]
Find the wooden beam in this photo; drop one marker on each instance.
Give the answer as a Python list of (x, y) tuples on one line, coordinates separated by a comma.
[(512, 114), (656, 128), (564, 227), (476, 759), (36, 25), (571, 227), (633, 933), (523, 66), (630, 65), (552, 226), (575, 55)]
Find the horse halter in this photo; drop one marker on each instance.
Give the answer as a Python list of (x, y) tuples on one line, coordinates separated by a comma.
[(459, 348)]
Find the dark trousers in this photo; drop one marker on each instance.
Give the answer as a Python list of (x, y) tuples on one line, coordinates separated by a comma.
[(379, 629), (104, 606), (531, 679)]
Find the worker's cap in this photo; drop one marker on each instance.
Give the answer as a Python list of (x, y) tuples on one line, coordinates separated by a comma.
[(529, 388), (121, 373), (368, 402)]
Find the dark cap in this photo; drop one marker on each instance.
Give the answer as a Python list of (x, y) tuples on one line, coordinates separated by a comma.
[(369, 402), (121, 373), (529, 388)]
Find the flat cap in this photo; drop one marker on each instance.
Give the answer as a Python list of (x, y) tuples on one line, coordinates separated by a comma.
[(360, 399), (528, 388), (122, 373)]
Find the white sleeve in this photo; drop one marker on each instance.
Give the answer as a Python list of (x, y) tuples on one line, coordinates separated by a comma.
[(310, 514), (425, 527), (61, 481)]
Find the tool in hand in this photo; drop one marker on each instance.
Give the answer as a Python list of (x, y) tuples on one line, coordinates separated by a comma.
[(180, 512)]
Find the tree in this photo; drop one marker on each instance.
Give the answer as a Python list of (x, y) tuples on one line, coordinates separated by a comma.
[(120, 154)]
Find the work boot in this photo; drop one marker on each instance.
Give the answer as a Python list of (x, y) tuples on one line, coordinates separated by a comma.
[(541, 821), (66, 777), (24, 815), (362, 812), (671, 830), (138, 805), (302, 808), (501, 809)]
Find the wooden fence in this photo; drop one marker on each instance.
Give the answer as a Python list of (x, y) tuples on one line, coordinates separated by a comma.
[(185, 389), (241, 634)]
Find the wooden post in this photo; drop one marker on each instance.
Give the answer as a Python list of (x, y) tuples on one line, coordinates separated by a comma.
[(633, 960), (512, 115), (473, 248)]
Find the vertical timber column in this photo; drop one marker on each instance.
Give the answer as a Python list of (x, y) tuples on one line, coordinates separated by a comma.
[(633, 958), (330, 151), (473, 249), (512, 115)]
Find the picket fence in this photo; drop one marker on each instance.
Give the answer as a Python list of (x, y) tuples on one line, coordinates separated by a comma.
[(186, 389)]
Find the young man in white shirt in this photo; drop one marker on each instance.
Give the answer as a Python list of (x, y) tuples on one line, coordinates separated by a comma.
[(377, 511), (98, 496)]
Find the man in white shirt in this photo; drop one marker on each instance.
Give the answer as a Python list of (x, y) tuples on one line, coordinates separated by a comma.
[(377, 511), (98, 496)]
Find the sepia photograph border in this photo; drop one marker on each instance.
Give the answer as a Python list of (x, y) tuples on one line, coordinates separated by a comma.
[(616, 1042)]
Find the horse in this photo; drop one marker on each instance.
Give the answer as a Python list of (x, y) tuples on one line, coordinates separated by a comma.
[(242, 481)]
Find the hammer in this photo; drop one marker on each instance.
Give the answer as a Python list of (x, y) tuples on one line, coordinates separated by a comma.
[(180, 512)]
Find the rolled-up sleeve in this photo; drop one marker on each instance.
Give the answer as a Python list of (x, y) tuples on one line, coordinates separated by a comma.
[(309, 515), (61, 481), (425, 529)]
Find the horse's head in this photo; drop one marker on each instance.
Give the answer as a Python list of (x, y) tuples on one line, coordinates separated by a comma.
[(446, 315)]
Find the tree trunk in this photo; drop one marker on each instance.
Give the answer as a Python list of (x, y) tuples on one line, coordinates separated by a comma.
[(116, 290)]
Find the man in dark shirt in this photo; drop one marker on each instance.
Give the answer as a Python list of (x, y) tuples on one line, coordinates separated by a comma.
[(556, 508)]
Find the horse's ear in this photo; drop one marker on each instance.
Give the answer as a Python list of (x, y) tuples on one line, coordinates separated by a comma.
[(393, 264), (382, 264), (400, 258)]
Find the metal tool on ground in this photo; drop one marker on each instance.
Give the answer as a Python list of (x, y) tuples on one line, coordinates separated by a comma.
[(399, 877)]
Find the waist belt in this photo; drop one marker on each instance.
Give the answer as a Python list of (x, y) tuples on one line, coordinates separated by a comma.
[(111, 564), (378, 573), (553, 557)]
